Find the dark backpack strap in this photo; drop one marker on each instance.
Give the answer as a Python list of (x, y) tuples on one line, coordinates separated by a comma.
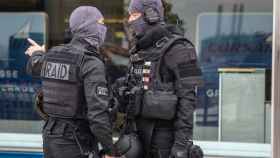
[(164, 49), (87, 52), (84, 52)]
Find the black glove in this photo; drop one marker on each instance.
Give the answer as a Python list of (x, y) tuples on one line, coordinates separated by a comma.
[(181, 150), (113, 109), (186, 150), (195, 152), (119, 91)]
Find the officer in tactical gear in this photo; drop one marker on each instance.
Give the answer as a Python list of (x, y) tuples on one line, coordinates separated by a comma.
[(161, 82), (76, 97)]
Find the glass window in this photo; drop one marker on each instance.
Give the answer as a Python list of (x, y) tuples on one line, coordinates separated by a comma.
[(17, 89), (232, 40)]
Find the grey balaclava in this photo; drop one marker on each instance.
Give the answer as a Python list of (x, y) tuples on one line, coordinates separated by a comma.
[(140, 25), (84, 24)]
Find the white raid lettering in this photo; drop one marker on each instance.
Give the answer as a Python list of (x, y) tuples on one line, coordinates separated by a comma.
[(59, 71)]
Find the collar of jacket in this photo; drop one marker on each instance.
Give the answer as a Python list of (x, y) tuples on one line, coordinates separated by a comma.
[(82, 44), (155, 34)]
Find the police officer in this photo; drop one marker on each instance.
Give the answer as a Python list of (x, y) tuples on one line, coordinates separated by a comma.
[(160, 85), (76, 97)]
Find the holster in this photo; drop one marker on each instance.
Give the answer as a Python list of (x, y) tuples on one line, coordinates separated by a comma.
[(39, 105)]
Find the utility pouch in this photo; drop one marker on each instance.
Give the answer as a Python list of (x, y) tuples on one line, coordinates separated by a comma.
[(159, 105)]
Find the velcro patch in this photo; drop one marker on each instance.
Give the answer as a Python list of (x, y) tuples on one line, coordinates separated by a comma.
[(59, 71), (188, 69)]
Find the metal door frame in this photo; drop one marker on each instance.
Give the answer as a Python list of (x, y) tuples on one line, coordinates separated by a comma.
[(276, 83)]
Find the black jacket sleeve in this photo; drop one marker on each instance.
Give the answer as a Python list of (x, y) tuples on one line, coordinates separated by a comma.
[(182, 62), (35, 63), (97, 98)]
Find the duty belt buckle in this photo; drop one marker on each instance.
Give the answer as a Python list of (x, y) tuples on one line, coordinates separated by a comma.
[(161, 42)]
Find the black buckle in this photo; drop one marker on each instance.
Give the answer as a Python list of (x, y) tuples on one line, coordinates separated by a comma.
[(160, 43)]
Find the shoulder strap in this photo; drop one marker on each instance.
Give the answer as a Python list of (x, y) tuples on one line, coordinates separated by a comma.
[(164, 50), (87, 52), (170, 43)]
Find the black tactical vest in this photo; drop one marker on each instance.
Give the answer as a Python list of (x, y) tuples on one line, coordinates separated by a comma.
[(155, 95), (147, 68), (62, 87)]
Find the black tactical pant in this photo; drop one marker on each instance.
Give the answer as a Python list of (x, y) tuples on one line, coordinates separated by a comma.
[(161, 143), (62, 140)]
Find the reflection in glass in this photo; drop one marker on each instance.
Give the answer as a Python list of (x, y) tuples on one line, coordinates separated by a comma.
[(229, 40), (17, 89)]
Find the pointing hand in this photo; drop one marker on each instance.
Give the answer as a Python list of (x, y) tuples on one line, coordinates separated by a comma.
[(34, 47)]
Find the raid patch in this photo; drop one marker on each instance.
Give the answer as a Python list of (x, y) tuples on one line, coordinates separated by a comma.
[(59, 71)]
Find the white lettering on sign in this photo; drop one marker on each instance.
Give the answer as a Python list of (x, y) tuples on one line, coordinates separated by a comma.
[(9, 74), (57, 71)]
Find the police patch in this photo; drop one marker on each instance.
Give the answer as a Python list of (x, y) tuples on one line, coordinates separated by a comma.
[(59, 71), (102, 90)]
